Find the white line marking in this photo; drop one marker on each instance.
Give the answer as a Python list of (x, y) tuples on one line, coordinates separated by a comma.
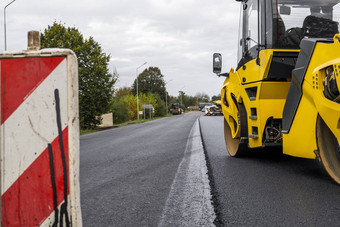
[(190, 202)]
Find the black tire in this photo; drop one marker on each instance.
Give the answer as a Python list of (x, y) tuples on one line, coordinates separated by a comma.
[(329, 150), (237, 147)]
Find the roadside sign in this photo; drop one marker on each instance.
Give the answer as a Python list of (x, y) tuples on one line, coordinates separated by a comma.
[(147, 106), (39, 139)]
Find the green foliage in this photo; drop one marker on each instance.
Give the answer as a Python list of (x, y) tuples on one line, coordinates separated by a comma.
[(150, 80), (131, 103), (122, 92), (216, 97), (120, 111), (160, 107), (59, 36), (95, 81), (182, 99), (188, 100), (147, 99), (202, 97), (124, 107)]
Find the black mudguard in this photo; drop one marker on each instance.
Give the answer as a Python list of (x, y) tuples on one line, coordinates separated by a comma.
[(307, 47)]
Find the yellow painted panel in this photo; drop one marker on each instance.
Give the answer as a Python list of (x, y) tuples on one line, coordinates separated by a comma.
[(274, 90), (266, 107), (301, 140)]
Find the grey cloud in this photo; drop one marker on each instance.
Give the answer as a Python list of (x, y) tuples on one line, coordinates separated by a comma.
[(178, 36)]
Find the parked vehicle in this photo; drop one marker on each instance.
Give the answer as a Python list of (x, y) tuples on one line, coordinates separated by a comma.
[(175, 109), (202, 105)]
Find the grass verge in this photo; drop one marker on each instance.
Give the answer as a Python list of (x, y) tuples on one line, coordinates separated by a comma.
[(88, 131)]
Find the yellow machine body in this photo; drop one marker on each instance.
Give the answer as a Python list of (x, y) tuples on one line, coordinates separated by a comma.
[(285, 90), (270, 98)]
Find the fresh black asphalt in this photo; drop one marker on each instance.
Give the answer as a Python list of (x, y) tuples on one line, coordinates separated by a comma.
[(267, 188), (126, 173)]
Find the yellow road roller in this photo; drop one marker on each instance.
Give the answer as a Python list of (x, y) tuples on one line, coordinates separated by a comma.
[(285, 89)]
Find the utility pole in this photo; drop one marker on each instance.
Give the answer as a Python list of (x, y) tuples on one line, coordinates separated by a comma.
[(181, 94), (5, 23), (137, 88), (166, 98)]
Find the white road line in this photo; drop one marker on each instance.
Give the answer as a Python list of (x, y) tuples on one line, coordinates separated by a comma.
[(190, 202)]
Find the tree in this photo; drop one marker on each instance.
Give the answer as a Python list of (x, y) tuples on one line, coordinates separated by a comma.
[(160, 107), (122, 92), (202, 97), (216, 97), (124, 107), (120, 110), (188, 100), (95, 81), (150, 80), (181, 94)]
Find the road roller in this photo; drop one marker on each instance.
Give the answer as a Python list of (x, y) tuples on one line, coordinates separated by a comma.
[(284, 90)]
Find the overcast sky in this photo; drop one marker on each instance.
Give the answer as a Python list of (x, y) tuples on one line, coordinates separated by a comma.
[(178, 36)]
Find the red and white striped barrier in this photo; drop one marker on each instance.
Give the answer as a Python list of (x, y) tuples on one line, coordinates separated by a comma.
[(39, 139)]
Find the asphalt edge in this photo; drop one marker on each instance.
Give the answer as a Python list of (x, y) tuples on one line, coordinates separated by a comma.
[(215, 196), (181, 179)]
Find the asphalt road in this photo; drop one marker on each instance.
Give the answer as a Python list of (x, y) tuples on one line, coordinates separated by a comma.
[(159, 174), (267, 188), (127, 173)]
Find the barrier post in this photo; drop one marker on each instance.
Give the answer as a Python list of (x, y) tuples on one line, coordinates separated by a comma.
[(39, 137)]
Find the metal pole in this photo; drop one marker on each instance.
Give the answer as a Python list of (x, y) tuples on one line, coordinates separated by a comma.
[(166, 98), (5, 27), (5, 23), (137, 95), (137, 89), (180, 93)]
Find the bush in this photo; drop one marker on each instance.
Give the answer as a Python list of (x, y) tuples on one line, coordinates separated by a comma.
[(160, 107), (120, 111)]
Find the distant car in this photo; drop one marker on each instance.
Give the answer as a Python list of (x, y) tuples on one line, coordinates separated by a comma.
[(202, 106), (175, 109), (214, 110), (207, 109)]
